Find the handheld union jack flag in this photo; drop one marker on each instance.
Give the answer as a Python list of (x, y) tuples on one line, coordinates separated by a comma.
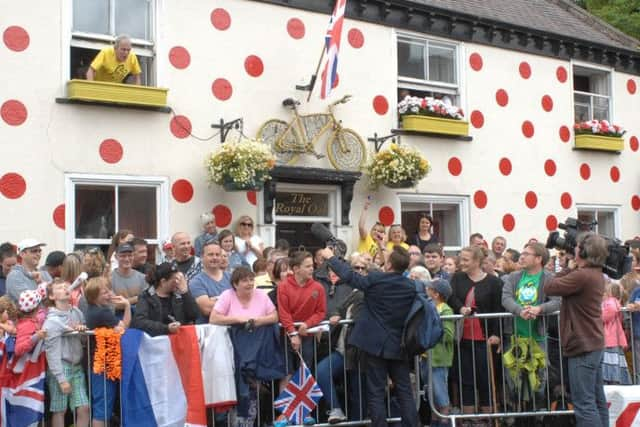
[(300, 396), (332, 41)]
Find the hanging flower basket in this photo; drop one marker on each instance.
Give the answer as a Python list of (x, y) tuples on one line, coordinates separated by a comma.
[(399, 166), (240, 165)]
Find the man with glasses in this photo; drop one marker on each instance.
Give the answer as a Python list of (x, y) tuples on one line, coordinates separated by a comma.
[(25, 276), (523, 295)]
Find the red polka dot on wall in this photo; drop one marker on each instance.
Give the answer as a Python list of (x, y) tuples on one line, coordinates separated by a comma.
[(524, 69), (180, 127), (253, 66), (633, 143), (502, 97), (295, 28), (508, 222), (477, 119), (635, 202), (355, 38), (551, 222), (631, 86), (531, 199), (111, 151), (565, 133), (455, 166), (566, 200), (505, 166), (614, 173), (380, 105), (547, 103), (475, 61), (182, 191), (179, 57), (561, 74), (252, 197), (480, 199), (58, 216), (585, 171), (550, 167), (13, 112), (223, 215), (386, 216), (12, 185), (220, 19), (528, 129), (222, 89), (16, 38)]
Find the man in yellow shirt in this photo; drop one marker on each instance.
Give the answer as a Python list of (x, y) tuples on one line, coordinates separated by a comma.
[(117, 64)]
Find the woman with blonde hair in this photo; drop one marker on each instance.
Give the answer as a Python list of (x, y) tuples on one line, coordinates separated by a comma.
[(249, 245), (71, 270)]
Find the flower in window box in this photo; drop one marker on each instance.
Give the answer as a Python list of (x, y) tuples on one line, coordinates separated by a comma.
[(243, 164), (397, 167), (598, 127), (413, 105)]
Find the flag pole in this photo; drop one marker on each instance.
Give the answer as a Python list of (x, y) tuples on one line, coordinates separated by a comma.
[(314, 77)]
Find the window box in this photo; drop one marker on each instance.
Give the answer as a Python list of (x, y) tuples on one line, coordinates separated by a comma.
[(116, 93), (430, 124), (599, 142)]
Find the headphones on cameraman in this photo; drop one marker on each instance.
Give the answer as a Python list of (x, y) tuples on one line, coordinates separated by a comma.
[(582, 250)]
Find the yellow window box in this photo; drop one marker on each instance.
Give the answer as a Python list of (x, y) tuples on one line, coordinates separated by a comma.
[(429, 124), (116, 93), (599, 142)]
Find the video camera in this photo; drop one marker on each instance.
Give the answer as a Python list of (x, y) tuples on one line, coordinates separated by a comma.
[(617, 263), (322, 233)]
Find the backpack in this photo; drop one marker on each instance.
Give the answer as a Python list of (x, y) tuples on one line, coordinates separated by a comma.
[(423, 327)]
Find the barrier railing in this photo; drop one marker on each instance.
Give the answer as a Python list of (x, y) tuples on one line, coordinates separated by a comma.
[(492, 391)]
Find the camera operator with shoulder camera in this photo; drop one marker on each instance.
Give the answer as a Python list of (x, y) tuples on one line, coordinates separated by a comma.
[(581, 328)]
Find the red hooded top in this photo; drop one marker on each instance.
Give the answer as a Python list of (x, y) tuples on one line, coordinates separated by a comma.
[(306, 303)]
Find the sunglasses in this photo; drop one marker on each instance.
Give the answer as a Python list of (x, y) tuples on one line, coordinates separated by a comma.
[(246, 224), (359, 267), (35, 251)]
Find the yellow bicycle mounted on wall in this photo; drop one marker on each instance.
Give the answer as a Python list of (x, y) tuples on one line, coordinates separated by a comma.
[(345, 148)]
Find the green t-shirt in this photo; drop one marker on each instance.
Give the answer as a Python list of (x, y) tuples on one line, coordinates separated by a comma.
[(527, 293)]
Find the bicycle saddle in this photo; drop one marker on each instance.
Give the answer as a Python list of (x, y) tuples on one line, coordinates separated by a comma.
[(290, 102)]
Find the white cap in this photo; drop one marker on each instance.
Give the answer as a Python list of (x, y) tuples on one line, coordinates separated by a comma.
[(29, 243)]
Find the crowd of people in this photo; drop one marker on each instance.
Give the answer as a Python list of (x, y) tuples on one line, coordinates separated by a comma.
[(231, 278)]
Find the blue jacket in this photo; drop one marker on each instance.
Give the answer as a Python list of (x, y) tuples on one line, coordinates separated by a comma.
[(388, 297)]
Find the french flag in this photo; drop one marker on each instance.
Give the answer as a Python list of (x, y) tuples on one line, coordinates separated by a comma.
[(332, 41), (162, 380)]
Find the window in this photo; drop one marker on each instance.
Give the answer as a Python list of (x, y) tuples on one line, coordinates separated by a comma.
[(591, 94), (96, 23), (601, 219), (427, 68), (450, 217), (98, 206)]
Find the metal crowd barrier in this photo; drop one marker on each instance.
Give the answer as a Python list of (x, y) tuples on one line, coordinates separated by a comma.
[(503, 401)]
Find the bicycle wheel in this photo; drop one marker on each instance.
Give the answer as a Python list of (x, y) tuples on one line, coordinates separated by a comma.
[(271, 133), (346, 150)]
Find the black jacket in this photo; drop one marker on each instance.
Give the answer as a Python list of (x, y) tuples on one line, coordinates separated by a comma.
[(148, 315)]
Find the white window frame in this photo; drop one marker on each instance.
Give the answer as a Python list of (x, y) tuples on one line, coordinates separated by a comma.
[(141, 47), (162, 203), (615, 209), (610, 87), (463, 207)]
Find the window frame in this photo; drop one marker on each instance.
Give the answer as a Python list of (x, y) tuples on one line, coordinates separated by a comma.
[(610, 88), (595, 208), (462, 202), (96, 41), (161, 185)]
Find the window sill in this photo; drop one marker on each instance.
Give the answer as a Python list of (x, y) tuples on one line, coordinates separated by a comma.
[(116, 95), (611, 144), (434, 126)]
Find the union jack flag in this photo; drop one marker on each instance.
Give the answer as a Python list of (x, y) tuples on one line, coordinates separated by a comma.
[(21, 387), (332, 46), (300, 396)]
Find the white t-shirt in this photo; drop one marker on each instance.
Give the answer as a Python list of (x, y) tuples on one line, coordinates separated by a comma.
[(249, 256)]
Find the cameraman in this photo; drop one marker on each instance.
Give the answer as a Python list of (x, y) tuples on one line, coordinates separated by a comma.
[(581, 328)]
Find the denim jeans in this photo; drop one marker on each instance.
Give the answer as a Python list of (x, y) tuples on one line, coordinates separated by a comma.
[(330, 369), (587, 390)]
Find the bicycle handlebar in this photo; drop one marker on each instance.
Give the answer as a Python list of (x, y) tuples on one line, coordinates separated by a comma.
[(342, 100)]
